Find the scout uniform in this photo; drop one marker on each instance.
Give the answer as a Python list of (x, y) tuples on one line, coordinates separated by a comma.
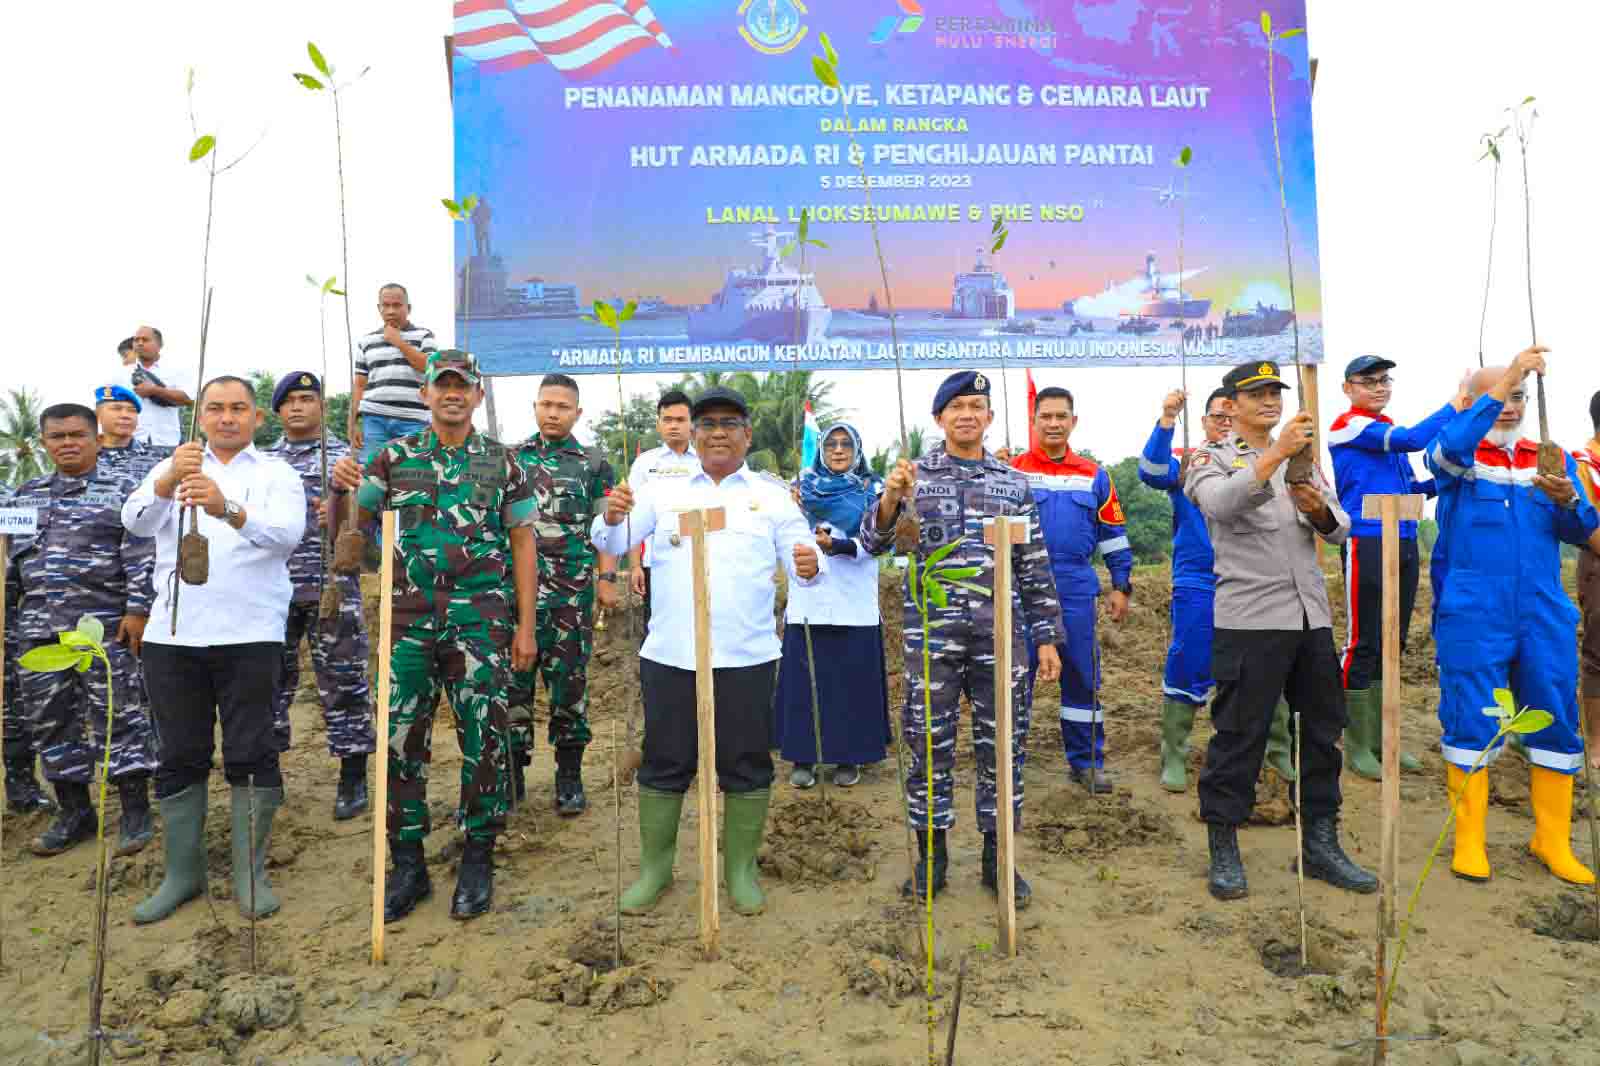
[(453, 621), (339, 645), (1505, 621), (81, 561), (1274, 636), (952, 498), (571, 484)]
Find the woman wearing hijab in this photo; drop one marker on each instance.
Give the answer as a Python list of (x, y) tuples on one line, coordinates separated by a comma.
[(846, 637)]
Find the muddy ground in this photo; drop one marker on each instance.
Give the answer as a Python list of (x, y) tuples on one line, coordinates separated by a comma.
[(1124, 959)]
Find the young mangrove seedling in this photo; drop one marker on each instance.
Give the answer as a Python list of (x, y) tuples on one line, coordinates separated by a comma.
[(1552, 460), (328, 608), (1491, 150)]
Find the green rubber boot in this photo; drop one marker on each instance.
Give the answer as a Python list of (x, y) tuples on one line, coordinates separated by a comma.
[(1280, 748), (1361, 706), (659, 813), (744, 820), (1409, 763), (183, 838), (248, 867), (1177, 719)]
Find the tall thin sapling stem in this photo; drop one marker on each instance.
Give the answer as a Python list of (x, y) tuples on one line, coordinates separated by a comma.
[(328, 608), (349, 547), (998, 234), (1491, 150), (1185, 157), (1552, 460)]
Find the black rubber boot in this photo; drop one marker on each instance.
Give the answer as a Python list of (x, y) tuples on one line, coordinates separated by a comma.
[(136, 828), (991, 872), (351, 798), (1326, 860), (74, 823), (475, 883), (408, 883), (916, 886), (23, 794), (1226, 880), (570, 800), (520, 761)]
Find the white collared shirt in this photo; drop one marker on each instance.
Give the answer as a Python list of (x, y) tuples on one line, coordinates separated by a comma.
[(246, 598), (763, 527), (848, 598), (663, 463)]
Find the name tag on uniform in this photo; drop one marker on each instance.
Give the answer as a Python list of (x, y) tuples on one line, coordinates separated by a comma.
[(1240, 463), (18, 521)]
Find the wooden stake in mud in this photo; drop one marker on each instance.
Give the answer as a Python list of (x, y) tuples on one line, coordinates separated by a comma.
[(380, 832), (1390, 510), (816, 721), (1003, 532), (955, 1014), (695, 525)]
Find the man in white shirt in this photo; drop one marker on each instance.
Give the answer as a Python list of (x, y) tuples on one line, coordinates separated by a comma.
[(162, 386), (764, 530), (674, 459), (221, 662)]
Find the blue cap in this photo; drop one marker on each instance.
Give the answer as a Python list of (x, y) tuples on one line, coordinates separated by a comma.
[(113, 393), (1364, 364), (961, 383), (294, 381)]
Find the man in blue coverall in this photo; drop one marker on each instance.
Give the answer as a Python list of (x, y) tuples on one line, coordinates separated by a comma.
[(1187, 683), (1505, 620), (1079, 515), (1371, 457)]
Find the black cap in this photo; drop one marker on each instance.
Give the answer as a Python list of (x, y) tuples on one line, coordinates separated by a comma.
[(294, 381), (961, 383), (719, 397), (1365, 364), (1252, 376)]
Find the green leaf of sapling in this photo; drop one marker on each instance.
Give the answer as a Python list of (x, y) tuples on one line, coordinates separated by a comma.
[(328, 286), (308, 82), (49, 658), (311, 281), (85, 660), (627, 310), (1000, 242), (605, 313), (336, 292), (827, 49), (805, 223), (1530, 721), (787, 250), (93, 628), (996, 227), (1185, 156), (970, 587), (1507, 703), (1286, 34), (201, 147), (957, 573), (317, 61), (938, 554), (1266, 23), (936, 593), (470, 204), (824, 72), (817, 244), (1527, 100)]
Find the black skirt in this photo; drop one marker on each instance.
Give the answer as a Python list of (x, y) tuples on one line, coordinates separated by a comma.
[(852, 692)]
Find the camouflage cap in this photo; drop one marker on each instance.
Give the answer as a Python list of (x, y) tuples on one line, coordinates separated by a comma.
[(452, 361)]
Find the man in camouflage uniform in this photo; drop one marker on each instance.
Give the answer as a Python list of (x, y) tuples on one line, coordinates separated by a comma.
[(23, 795), (464, 504), (81, 561), (338, 644), (571, 483), (116, 410), (953, 488)]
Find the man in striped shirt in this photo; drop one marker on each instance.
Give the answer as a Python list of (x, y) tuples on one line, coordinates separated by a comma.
[(386, 398)]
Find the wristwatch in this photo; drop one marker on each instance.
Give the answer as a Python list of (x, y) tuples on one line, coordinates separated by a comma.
[(611, 577), (231, 511)]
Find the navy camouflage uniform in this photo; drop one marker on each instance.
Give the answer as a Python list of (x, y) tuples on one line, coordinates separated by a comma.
[(952, 499), (135, 459), (339, 646), (82, 562), (570, 485)]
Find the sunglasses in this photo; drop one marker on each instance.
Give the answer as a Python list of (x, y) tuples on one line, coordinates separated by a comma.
[(838, 446)]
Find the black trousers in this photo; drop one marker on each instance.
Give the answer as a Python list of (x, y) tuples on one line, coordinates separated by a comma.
[(644, 630), (743, 725), (1362, 660), (1252, 669), (191, 690)]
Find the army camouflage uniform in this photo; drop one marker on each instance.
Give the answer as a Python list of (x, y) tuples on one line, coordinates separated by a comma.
[(82, 562), (571, 486), (952, 499), (453, 621), (339, 647)]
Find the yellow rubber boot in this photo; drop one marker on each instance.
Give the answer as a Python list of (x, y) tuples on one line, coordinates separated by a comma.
[(1552, 825), (1471, 796)]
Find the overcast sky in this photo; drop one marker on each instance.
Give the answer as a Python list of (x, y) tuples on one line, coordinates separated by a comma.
[(105, 220)]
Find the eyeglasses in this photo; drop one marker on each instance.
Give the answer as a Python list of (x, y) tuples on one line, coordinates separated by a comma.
[(1384, 382), (1220, 418), (838, 446), (711, 425)]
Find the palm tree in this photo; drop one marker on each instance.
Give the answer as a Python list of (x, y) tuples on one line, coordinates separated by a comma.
[(916, 443), (22, 454)]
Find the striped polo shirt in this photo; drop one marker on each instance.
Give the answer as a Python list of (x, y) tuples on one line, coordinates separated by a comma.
[(391, 382)]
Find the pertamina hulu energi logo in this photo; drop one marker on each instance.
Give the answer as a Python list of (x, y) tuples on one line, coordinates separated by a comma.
[(890, 25)]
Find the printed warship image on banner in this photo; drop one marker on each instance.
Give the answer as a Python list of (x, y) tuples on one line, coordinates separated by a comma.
[(633, 153)]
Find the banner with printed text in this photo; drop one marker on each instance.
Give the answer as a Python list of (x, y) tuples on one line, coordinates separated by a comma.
[(670, 154)]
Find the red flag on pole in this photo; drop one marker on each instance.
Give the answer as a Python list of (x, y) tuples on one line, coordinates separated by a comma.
[(1033, 400)]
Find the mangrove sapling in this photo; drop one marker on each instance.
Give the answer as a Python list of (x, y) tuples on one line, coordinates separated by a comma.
[(1552, 460), (77, 650), (929, 587), (1185, 157), (1491, 150), (350, 546), (1303, 462), (461, 211), (1512, 723), (329, 606), (802, 241), (998, 233)]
